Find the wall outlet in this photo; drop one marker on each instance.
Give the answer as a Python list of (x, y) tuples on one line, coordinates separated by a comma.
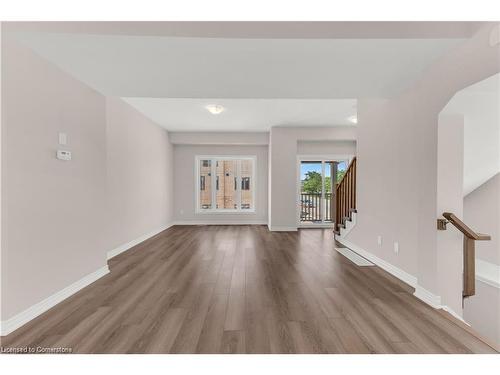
[(379, 240), (396, 247), (63, 155)]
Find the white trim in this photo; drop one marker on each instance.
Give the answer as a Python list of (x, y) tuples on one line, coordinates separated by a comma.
[(225, 211), (201, 222), (126, 246), (322, 214), (297, 191), (276, 228), (329, 157), (213, 158), (420, 292), (428, 297), (319, 226), (393, 270), (322, 159), (488, 273), (454, 314), (32, 312)]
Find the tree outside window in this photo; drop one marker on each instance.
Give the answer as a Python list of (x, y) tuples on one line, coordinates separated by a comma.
[(312, 182)]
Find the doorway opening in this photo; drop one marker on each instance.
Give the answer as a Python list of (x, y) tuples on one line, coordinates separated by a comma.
[(316, 190)]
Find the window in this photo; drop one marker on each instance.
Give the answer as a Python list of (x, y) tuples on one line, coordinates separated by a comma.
[(205, 187), (232, 190), (245, 183)]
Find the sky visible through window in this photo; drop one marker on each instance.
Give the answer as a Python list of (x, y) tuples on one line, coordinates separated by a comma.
[(316, 167)]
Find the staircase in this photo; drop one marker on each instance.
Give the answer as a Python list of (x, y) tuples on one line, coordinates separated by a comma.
[(345, 199)]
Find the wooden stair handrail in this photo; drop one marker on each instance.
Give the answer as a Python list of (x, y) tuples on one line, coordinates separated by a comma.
[(470, 238), (468, 232), (345, 196), (351, 166)]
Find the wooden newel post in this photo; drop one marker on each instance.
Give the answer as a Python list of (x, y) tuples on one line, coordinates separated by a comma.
[(333, 200), (469, 288), (470, 238)]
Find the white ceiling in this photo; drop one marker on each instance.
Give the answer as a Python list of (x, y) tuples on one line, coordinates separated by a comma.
[(244, 114), (265, 74), (166, 67), (259, 29), (480, 106)]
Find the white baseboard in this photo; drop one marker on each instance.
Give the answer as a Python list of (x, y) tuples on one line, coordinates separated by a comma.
[(420, 292), (386, 266), (274, 228), (10, 325), (313, 226), (454, 314), (126, 246), (428, 297), (250, 222), (435, 301)]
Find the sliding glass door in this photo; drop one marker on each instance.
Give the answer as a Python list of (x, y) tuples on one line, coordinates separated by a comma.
[(311, 187), (317, 190)]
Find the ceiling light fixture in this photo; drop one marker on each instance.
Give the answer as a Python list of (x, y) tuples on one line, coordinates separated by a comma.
[(215, 109), (353, 119)]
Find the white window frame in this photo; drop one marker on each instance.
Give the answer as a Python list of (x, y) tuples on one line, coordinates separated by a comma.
[(214, 159), (347, 158)]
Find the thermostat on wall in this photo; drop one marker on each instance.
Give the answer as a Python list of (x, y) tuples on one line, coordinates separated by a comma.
[(63, 155)]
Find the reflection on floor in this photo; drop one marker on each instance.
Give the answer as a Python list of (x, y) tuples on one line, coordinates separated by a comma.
[(243, 289)]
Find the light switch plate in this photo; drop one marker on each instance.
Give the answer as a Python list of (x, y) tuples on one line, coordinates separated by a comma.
[(63, 138), (396, 247), (379, 240)]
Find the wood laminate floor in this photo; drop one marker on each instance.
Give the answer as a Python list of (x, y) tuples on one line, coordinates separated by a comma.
[(243, 289)]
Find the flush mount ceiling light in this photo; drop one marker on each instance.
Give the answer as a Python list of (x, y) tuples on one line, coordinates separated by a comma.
[(215, 109), (353, 119)]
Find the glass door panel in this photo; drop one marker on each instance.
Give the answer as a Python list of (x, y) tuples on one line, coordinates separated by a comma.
[(328, 188), (317, 190), (246, 185), (205, 185), (311, 188)]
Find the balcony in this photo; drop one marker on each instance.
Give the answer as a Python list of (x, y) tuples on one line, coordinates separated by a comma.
[(312, 206)]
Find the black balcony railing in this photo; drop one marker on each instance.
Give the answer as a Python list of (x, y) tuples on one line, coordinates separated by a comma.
[(311, 206)]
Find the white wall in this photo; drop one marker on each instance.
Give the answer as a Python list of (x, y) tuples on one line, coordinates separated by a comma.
[(450, 176), (482, 312), (326, 148), (387, 185), (283, 148), (59, 219), (139, 178), (397, 162), (1, 121), (482, 213), (184, 184), (52, 211), (479, 104), (220, 138)]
